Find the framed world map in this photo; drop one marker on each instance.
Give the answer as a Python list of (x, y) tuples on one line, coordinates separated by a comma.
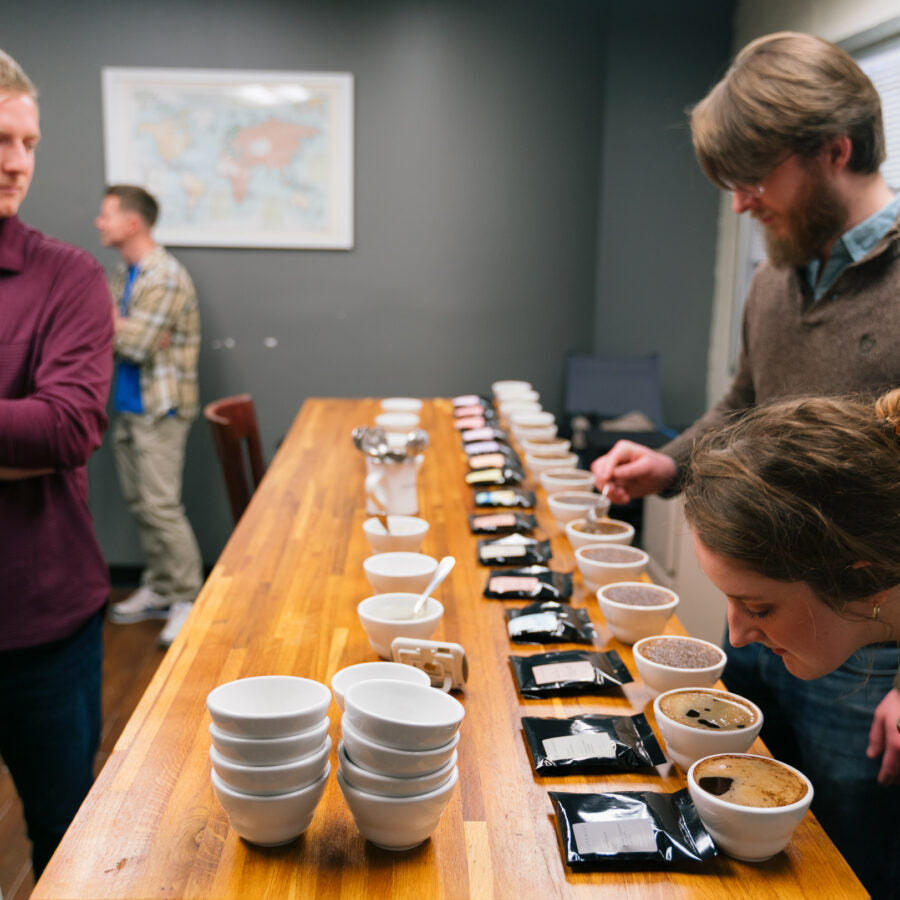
[(236, 158)]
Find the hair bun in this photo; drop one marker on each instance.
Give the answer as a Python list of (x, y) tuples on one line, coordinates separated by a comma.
[(887, 407)]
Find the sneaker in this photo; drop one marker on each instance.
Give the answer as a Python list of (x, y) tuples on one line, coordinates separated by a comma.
[(142, 604), (178, 614)]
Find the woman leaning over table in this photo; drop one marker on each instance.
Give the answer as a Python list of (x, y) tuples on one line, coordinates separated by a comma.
[(795, 514)]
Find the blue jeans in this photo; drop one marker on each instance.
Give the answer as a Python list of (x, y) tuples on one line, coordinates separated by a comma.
[(822, 728), (50, 710)]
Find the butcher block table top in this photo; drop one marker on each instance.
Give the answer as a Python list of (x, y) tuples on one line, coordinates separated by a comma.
[(282, 600)]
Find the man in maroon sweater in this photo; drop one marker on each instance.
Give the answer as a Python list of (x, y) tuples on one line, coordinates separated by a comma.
[(55, 367)]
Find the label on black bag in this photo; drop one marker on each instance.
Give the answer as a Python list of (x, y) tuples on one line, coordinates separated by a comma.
[(535, 622), (565, 671), (589, 745), (621, 836)]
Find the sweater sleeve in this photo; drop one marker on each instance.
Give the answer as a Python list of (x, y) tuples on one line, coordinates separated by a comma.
[(741, 395), (61, 418)]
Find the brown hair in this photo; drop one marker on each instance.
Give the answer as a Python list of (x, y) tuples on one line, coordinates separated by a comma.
[(786, 93), (804, 490), (135, 199), (13, 77)]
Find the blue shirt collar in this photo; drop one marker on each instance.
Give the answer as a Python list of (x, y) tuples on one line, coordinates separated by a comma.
[(851, 247)]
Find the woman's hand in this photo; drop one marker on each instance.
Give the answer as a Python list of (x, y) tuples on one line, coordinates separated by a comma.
[(884, 738)]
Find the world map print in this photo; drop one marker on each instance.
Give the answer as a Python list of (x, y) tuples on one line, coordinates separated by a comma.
[(236, 158)]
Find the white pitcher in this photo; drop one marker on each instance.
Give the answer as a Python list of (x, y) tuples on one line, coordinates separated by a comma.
[(391, 486)]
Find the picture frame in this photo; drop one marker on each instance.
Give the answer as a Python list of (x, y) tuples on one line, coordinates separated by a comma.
[(236, 158)]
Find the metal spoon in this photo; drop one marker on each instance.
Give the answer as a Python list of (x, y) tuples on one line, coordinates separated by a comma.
[(374, 442), (416, 442), (594, 517), (443, 570)]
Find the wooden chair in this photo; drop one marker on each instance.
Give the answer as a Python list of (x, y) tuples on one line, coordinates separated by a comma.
[(232, 421)]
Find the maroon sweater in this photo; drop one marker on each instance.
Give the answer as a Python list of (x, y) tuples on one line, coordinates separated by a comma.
[(55, 368)]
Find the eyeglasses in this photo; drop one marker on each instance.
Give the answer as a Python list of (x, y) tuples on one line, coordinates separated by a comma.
[(748, 190), (756, 189)]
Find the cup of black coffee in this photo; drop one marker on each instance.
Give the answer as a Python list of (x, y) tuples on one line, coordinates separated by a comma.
[(697, 722), (749, 804)]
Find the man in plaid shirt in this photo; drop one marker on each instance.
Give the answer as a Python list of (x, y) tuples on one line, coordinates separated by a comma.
[(157, 343)]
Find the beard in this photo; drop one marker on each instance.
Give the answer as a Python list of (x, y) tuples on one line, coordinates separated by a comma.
[(815, 221)]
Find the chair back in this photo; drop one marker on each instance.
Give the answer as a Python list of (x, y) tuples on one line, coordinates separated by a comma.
[(232, 421), (611, 387)]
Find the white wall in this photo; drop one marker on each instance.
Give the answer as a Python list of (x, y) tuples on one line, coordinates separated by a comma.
[(835, 20)]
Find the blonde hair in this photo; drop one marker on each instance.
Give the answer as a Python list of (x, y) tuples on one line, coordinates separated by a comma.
[(786, 93), (805, 490), (13, 77)]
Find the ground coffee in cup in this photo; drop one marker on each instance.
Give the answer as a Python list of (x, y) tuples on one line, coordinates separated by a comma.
[(681, 653)]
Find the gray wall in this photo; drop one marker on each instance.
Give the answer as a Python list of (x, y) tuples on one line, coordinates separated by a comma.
[(656, 250), (485, 134)]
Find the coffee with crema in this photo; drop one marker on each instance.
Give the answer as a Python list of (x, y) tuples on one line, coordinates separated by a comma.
[(704, 710), (749, 780)]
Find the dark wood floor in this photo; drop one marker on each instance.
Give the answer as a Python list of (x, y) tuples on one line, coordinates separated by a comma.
[(130, 657)]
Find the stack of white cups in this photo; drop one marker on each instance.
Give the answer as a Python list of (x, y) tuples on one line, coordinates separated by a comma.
[(397, 760), (515, 396), (269, 754)]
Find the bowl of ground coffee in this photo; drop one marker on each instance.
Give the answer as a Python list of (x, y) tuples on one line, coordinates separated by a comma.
[(635, 610), (666, 662), (602, 564), (582, 533)]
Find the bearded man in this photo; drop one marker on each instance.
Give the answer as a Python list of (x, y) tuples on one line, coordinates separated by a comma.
[(794, 132)]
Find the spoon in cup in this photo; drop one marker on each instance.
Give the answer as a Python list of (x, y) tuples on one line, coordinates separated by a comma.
[(594, 516), (444, 568)]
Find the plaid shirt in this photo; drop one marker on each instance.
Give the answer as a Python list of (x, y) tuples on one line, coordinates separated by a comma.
[(163, 301)]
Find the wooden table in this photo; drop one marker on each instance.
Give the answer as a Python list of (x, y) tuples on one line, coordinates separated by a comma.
[(282, 599)]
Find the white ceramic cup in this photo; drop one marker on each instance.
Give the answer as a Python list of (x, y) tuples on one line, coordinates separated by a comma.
[(270, 780), (269, 751), (343, 678), (611, 531), (399, 571), (402, 715), (389, 760), (267, 706), (401, 404), (405, 533), (397, 823), (397, 422), (661, 677), (749, 833), (274, 820), (392, 785), (568, 505), (388, 616), (685, 744), (601, 564), (510, 388), (629, 622)]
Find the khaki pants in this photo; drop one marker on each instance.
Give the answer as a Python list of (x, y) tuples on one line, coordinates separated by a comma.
[(149, 456)]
